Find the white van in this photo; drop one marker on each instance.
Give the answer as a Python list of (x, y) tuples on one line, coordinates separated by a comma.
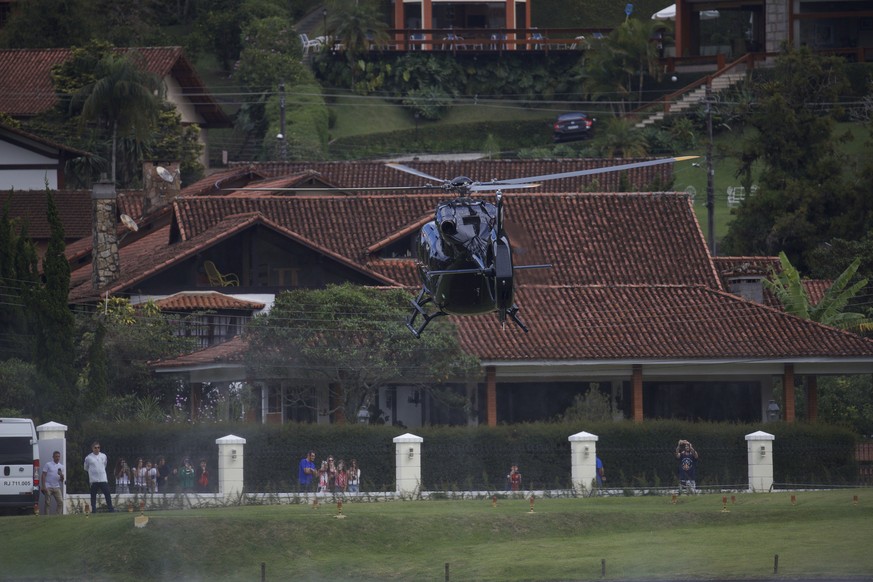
[(19, 463)]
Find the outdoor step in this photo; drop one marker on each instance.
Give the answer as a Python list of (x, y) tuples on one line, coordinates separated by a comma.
[(720, 83)]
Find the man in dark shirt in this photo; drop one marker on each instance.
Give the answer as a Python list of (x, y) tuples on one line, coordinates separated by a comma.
[(687, 466)]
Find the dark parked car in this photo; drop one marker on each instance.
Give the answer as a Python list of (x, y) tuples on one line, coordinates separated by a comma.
[(573, 126)]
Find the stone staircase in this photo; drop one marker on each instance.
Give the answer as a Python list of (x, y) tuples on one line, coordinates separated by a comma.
[(694, 96)]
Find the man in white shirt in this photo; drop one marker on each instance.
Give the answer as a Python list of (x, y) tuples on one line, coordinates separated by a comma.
[(95, 465), (53, 477)]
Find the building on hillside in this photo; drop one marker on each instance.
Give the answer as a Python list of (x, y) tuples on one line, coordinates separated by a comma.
[(733, 29), (455, 14), (32, 162), (26, 86), (634, 305)]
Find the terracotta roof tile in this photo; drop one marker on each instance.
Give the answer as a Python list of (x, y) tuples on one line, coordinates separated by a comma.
[(235, 177), (206, 300), (643, 322), (588, 238), (74, 208), (14, 131), (376, 174), (152, 254), (232, 350), (763, 266), (26, 87), (730, 266)]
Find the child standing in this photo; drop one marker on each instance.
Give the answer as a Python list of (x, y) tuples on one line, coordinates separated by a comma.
[(514, 478)]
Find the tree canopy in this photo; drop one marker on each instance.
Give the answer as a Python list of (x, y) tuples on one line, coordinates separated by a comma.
[(352, 340), (803, 191)]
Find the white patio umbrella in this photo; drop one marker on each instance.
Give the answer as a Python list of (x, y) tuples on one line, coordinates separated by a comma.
[(669, 13)]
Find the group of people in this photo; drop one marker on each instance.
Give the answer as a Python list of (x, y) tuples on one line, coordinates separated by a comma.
[(687, 470), (148, 477), (144, 477), (330, 477)]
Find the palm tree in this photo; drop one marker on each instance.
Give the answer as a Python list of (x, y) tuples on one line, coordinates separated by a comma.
[(623, 60), (619, 138), (124, 99), (356, 24)]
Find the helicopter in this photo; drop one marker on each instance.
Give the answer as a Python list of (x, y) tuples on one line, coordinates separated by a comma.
[(463, 254)]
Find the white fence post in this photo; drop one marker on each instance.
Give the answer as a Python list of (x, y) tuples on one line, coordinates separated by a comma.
[(759, 446), (583, 460), (230, 465), (52, 437), (407, 463)]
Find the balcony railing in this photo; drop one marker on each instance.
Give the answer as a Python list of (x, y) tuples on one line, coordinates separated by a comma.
[(491, 39)]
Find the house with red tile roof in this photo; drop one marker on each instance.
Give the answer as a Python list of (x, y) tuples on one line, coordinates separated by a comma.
[(634, 305), (32, 162), (26, 86)]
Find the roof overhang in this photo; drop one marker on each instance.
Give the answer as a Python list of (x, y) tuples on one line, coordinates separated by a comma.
[(675, 368), (207, 372)]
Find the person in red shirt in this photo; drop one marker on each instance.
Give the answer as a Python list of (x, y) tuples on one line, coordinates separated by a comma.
[(514, 478)]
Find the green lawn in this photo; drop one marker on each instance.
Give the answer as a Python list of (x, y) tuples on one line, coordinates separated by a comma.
[(358, 115), (824, 535)]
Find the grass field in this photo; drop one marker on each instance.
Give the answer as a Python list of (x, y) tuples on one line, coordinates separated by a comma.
[(358, 115), (824, 535)]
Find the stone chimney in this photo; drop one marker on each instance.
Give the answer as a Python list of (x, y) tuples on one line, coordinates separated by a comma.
[(104, 260), (161, 184)]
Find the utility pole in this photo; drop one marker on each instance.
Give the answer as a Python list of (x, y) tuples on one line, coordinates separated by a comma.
[(283, 139), (710, 171)]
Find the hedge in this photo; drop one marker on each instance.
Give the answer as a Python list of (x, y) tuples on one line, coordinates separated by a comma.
[(478, 458)]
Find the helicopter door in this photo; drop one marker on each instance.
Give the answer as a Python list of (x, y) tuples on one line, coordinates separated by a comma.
[(502, 273)]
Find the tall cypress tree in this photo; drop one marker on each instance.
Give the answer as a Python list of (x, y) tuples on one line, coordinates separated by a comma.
[(17, 276), (54, 354)]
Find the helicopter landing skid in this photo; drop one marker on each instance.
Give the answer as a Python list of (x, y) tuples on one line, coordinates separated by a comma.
[(512, 312), (418, 309)]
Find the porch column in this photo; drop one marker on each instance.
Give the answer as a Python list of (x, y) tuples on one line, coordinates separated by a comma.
[(811, 398), (509, 13), (682, 29), (788, 392), (427, 21), (399, 23), (637, 392), (491, 395), (196, 393)]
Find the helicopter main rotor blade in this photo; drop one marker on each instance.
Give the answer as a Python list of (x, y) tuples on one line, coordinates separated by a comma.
[(597, 170), (358, 189), (414, 172), (489, 187)]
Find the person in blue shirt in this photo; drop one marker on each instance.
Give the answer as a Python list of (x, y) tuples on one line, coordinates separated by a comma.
[(599, 473), (307, 472)]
